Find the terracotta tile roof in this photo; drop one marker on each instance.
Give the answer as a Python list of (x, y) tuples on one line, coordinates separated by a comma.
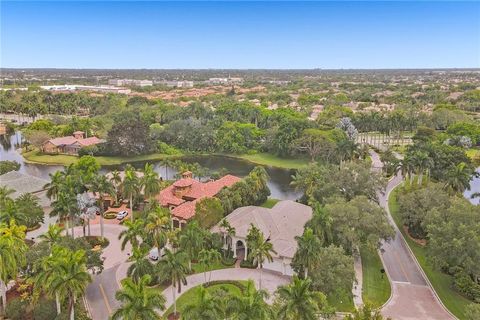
[(186, 209), (63, 140), (89, 141)]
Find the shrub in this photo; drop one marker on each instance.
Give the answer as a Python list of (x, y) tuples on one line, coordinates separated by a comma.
[(240, 285), (109, 215), (16, 309), (248, 264), (464, 284), (45, 310), (164, 148)]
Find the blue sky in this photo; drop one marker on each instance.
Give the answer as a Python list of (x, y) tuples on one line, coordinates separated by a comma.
[(240, 34)]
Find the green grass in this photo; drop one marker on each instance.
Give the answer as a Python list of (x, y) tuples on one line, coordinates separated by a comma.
[(269, 203), (342, 302), (474, 155), (376, 287), (191, 296), (62, 159), (441, 282), (268, 159)]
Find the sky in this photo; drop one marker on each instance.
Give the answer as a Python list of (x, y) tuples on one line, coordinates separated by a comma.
[(240, 35)]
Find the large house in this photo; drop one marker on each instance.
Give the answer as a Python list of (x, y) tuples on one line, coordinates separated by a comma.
[(182, 196), (280, 225), (69, 144)]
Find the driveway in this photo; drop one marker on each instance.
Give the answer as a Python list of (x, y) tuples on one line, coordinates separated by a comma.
[(412, 296), (100, 293)]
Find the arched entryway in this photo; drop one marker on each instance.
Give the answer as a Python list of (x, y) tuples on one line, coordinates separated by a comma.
[(240, 250)]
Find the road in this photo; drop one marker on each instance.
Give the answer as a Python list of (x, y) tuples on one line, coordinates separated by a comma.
[(412, 297)]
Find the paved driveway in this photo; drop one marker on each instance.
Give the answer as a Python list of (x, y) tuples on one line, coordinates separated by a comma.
[(412, 297)]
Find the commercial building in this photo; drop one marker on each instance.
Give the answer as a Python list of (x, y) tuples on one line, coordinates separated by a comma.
[(225, 81), (177, 83), (74, 87), (130, 82)]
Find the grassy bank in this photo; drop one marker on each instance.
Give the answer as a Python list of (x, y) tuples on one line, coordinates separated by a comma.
[(342, 302), (441, 282), (267, 159), (63, 159), (269, 203), (376, 287)]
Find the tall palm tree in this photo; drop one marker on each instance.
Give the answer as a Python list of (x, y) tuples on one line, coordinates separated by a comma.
[(298, 301), (72, 277), (321, 223), (159, 222), (102, 187), (308, 247), (262, 250), (141, 265), (130, 186), (173, 266), (458, 178), (208, 257), (56, 181), (116, 180), (250, 305), (191, 241), (203, 308), (132, 234), (5, 193), (53, 234), (150, 182), (64, 206), (12, 255), (139, 302)]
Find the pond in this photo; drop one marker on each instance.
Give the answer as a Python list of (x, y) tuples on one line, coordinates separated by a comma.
[(279, 182)]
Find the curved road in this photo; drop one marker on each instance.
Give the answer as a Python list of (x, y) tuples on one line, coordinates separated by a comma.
[(412, 296)]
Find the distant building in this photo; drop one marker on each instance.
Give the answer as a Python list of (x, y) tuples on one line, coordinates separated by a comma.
[(177, 83), (280, 225), (182, 196), (130, 82), (70, 144), (74, 87), (225, 81)]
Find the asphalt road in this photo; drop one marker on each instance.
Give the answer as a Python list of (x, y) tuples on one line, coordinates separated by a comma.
[(412, 297)]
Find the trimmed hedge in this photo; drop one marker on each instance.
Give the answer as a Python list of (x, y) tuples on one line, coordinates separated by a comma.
[(240, 286)]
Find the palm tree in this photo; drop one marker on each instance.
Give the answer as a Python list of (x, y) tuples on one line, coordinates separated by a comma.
[(71, 278), (12, 255), (204, 307), (458, 178), (132, 233), (297, 301), (321, 223), (56, 181), (139, 302), (150, 182), (130, 186), (101, 186), (5, 193), (262, 250), (173, 267), (207, 257), (191, 241), (64, 206), (53, 234), (141, 265), (308, 247), (159, 222), (116, 180), (250, 305)]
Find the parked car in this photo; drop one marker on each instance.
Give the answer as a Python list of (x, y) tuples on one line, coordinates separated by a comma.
[(122, 214), (153, 254)]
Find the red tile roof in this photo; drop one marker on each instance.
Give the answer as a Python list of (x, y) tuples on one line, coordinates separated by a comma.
[(66, 141), (186, 209)]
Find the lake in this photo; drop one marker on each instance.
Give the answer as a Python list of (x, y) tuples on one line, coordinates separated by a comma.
[(279, 182)]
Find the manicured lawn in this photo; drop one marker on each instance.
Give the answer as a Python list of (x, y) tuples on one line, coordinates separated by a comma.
[(440, 281), (191, 296), (269, 203), (342, 303), (376, 288), (267, 159), (61, 159)]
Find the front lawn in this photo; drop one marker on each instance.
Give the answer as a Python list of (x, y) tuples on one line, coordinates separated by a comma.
[(442, 282), (342, 302), (376, 287), (191, 296), (198, 268)]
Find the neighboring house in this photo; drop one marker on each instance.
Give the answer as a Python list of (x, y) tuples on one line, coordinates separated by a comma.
[(182, 196), (24, 183), (70, 144), (280, 225)]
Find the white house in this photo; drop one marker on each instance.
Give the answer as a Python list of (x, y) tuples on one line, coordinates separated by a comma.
[(280, 225)]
